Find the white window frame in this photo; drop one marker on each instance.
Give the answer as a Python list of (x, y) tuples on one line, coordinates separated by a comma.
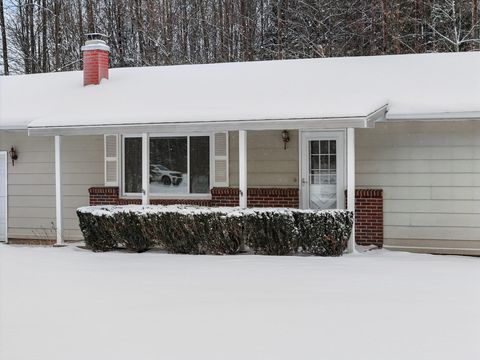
[(5, 205), (205, 196)]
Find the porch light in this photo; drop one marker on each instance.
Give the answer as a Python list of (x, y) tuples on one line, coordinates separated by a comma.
[(285, 138), (13, 155)]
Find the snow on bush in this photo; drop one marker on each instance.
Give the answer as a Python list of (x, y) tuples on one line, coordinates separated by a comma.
[(201, 230)]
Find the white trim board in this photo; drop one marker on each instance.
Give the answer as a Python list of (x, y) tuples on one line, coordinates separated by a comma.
[(361, 121), (4, 162)]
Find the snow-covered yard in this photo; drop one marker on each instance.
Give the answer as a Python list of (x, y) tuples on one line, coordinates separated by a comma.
[(69, 303)]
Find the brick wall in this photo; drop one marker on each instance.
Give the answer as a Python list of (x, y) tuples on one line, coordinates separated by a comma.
[(109, 195), (166, 202), (105, 195), (368, 205), (257, 197), (369, 217)]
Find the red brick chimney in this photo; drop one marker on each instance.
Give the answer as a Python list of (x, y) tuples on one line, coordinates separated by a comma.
[(95, 59)]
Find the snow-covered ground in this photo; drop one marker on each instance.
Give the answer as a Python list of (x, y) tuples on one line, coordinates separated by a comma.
[(69, 303)]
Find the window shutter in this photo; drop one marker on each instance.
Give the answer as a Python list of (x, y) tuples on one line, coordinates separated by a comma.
[(111, 160), (220, 159)]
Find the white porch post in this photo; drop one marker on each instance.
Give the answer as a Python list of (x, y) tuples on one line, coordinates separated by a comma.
[(242, 163), (59, 190), (145, 169), (351, 182)]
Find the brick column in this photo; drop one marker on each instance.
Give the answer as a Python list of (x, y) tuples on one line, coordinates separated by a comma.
[(369, 217)]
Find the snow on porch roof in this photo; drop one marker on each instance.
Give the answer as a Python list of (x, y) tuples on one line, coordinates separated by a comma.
[(244, 95)]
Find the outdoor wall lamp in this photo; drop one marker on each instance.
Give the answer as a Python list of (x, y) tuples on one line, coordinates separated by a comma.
[(285, 138), (13, 155)]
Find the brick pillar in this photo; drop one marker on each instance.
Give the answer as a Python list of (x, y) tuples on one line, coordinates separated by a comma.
[(369, 217)]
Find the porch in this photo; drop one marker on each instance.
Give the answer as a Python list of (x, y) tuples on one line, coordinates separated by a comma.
[(240, 172)]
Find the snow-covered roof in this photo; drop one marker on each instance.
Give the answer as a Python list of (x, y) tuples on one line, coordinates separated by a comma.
[(413, 86)]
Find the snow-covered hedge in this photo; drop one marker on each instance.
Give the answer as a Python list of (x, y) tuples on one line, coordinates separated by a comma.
[(200, 230)]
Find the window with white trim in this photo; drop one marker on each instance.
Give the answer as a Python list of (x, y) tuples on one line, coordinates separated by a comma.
[(132, 165), (179, 165)]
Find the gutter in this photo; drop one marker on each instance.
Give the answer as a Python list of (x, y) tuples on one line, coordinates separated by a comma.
[(13, 128), (442, 116)]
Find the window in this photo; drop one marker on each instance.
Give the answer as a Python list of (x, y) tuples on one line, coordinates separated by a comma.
[(133, 165), (199, 164), (179, 165)]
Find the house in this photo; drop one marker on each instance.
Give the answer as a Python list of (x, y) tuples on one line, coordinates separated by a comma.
[(397, 138)]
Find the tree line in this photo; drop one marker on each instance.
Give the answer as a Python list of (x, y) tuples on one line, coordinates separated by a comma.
[(46, 35)]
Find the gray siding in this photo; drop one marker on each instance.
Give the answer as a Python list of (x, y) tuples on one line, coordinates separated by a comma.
[(268, 164), (430, 174), (31, 189)]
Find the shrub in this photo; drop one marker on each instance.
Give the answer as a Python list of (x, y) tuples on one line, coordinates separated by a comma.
[(222, 234), (270, 232), (180, 233), (131, 231), (98, 228), (195, 230), (324, 233)]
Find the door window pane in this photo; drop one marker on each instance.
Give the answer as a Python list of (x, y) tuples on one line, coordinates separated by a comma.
[(323, 181), (133, 165), (314, 162), (324, 146), (199, 164), (324, 161), (168, 165), (333, 147), (333, 162)]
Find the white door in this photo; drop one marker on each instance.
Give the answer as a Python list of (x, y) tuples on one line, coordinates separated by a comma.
[(3, 196), (322, 170)]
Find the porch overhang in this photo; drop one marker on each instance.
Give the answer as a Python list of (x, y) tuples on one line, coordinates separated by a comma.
[(76, 127)]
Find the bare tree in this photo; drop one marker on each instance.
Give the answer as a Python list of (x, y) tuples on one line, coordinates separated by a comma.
[(451, 26), (4, 40), (46, 35)]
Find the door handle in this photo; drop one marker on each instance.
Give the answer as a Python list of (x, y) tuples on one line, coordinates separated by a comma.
[(304, 181)]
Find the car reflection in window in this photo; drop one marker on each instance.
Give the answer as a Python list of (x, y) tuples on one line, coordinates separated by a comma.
[(161, 174)]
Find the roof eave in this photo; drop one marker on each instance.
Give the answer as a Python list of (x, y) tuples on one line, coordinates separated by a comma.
[(202, 126)]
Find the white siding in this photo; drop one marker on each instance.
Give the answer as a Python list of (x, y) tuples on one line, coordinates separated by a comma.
[(3, 196), (430, 174), (31, 182), (268, 163)]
